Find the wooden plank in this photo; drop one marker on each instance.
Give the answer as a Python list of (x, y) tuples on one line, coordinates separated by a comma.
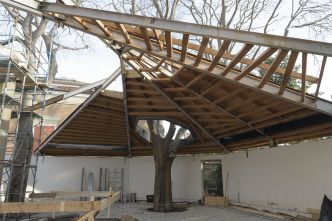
[(245, 49), (185, 41), (159, 65), (219, 54), (275, 64), (124, 32), (201, 51), (266, 54), (320, 77), (40, 207), (289, 69), (229, 94), (42, 195), (160, 42), (102, 27), (146, 38), (109, 201), (211, 88), (82, 22), (148, 69), (169, 44), (198, 133), (69, 194), (304, 75), (192, 82), (156, 114)]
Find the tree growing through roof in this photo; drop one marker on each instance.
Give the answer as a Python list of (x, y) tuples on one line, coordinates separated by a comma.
[(165, 137)]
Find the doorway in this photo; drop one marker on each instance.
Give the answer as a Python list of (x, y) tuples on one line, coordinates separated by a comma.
[(212, 178)]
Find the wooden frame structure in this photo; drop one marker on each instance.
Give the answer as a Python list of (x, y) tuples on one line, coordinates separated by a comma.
[(92, 207), (228, 107)]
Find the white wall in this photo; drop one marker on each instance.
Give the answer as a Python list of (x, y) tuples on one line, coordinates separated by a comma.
[(289, 178)]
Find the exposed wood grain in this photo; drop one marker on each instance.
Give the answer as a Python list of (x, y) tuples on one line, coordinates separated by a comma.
[(276, 62), (289, 69), (169, 44), (185, 41), (266, 54), (146, 38), (124, 32), (246, 48), (304, 75), (201, 51), (320, 76), (219, 55)]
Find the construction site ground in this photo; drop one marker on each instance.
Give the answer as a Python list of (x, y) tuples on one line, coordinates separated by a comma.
[(140, 211)]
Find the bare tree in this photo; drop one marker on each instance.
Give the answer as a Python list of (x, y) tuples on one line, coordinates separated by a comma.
[(164, 152), (40, 29)]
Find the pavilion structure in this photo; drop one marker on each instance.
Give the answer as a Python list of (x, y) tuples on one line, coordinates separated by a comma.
[(219, 96)]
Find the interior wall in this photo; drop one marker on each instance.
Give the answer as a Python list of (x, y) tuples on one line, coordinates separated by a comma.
[(289, 178)]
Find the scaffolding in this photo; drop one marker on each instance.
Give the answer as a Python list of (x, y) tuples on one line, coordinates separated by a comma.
[(23, 82)]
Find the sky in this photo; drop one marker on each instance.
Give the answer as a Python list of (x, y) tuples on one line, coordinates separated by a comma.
[(100, 62)]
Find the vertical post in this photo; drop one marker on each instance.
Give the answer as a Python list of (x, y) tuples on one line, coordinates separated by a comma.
[(125, 103)]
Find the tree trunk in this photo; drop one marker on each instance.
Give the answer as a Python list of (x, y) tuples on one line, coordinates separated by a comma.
[(163, 180)]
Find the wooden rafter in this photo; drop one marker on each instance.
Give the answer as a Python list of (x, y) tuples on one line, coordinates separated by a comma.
[(160, 42), (124, 32), (304, 75), (219, 54), (259, 60), (246, 48), (185, 41), (169, 44), (201, 51), (289, 69), (276, 62), (102, 27), (320, 76), (146, 38)]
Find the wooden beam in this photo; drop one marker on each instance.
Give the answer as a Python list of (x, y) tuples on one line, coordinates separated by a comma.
[(266, 54), (320, 77), (110, 200), (102, 27), (149, 69), (201, 51), (159, 64), (82, 22), (289, 69), (160, 42), (245, 49), (304, 75), (229, 94), (124, 32), (156, 114), (219, 55), (169, 44), (199, 135), (146, 38), (68, 194), (185, 41), (192, 82), (41, 207), (275, 64)]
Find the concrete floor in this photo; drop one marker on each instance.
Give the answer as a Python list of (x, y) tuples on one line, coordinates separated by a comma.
[(139, 211), (199, 213)]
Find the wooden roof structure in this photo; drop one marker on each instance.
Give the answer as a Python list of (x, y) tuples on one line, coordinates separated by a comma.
[(228, 108)]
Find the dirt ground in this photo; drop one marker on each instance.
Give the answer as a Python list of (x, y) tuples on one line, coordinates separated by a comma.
[(193, 213)]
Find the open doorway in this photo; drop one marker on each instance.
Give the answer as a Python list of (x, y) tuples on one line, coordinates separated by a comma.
[(212, 178)]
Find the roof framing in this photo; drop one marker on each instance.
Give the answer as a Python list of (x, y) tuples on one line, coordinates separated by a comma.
[(243, 117)]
